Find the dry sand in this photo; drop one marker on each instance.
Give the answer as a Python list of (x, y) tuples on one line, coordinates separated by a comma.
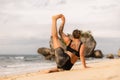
[(104, 70)]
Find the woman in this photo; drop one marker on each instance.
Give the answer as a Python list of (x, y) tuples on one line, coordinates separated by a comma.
[(75, 48)]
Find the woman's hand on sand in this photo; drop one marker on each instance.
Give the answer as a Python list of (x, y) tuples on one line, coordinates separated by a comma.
[(86, 67)]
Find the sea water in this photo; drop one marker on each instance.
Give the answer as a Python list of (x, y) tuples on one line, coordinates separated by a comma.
[(108, 45), (18, 64)]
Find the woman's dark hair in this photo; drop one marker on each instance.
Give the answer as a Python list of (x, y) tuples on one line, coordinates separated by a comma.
[(76, 34)]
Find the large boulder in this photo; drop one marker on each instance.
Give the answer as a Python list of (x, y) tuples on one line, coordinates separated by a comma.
[(90, 43), (46, 52), (86, 38)]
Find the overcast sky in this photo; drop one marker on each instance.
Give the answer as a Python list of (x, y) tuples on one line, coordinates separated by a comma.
[(25, 25)]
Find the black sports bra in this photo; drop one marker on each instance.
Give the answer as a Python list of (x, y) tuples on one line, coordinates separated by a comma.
[(73, 50)]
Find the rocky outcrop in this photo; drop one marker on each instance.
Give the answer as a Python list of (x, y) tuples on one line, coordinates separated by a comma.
[(86, 38), (110, 56), (46, 52), (90, 43), (98, 54)]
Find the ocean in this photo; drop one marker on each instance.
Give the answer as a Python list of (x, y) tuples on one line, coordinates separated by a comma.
[(19, 64)]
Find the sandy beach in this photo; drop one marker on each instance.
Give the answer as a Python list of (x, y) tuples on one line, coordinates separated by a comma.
[(104, 70)]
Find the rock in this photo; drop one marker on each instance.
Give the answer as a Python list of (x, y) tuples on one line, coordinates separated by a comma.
[(86, 38), (98, 54), (110, 56), (90, 43), (46, 52), (119, 53)]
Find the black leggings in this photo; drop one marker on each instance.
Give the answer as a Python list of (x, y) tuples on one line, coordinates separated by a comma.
[(62, 59)]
